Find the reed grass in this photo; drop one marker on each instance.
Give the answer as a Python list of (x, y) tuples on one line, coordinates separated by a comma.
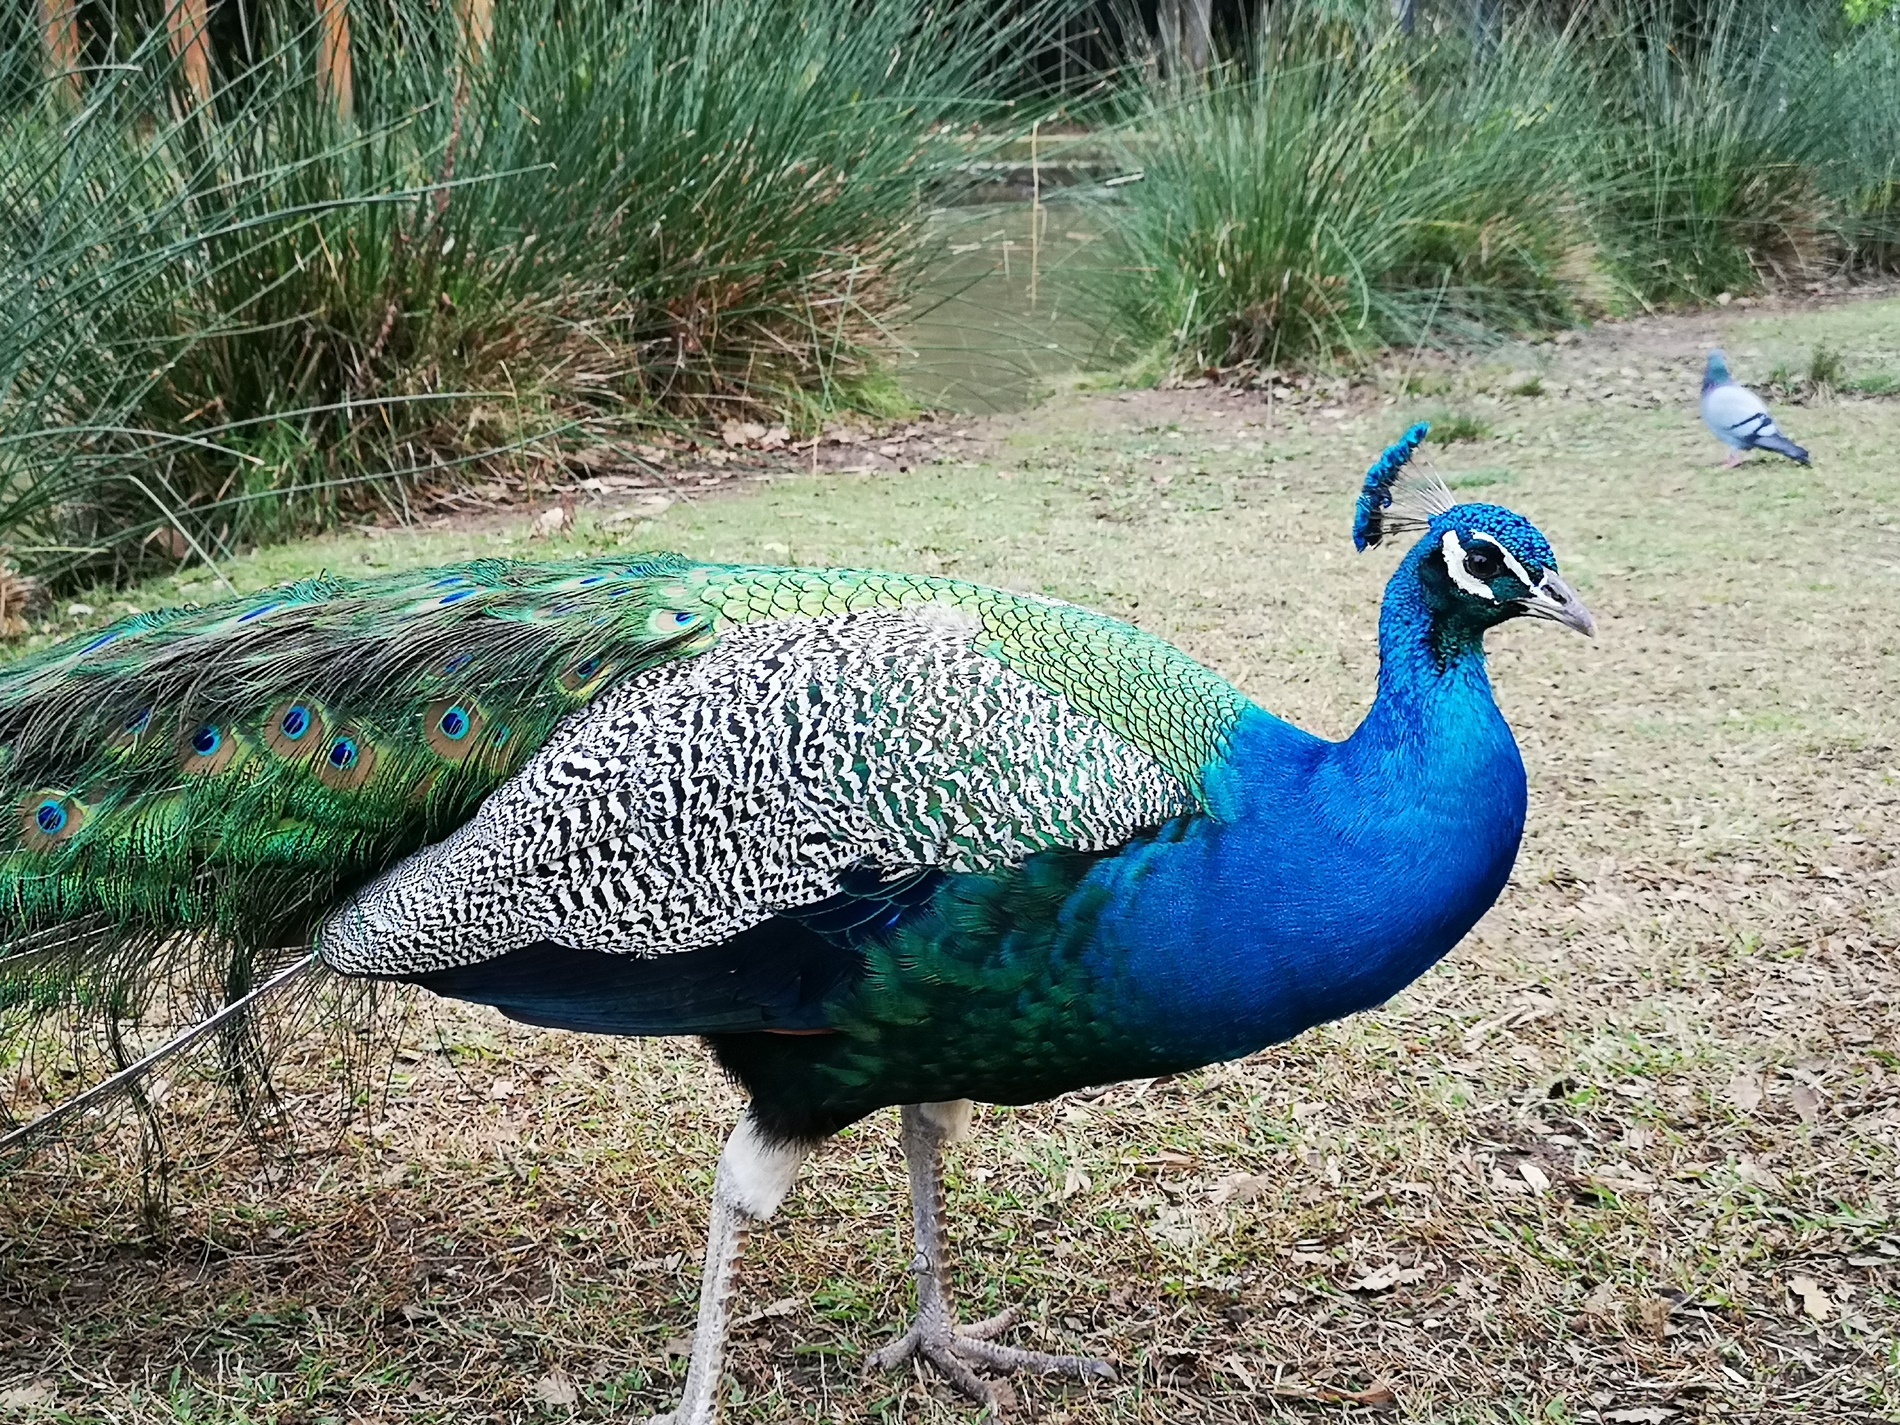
[(1340, 189), (1336, 187), (230, 322)]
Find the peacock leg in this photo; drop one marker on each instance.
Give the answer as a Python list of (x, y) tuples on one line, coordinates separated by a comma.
[(754, 1174), (958, 1352)]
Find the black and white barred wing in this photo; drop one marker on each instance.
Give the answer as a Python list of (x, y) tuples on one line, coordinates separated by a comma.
[(703, 798)]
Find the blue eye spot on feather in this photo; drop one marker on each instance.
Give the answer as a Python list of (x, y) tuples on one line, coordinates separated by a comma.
[(453, 728), (458, 663), (593, 579), (137, 723), (681, 617), (49, 817), (100, 642), (456, 597), (295, 722), (207, 749), (579, 675), (257, 613), (347, 762)]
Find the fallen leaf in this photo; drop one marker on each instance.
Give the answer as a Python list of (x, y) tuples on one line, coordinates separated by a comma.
[(1814, 1301), (1641, 1415), (1603, 1301), (1384, 1279), (556, 1389), (784, 1306), (1807, 1104), (1745, 1092), (1387, 1277), (1538, 1179), (1245, 1188), (30, 1396), (1655, 1313), (678, 1346)]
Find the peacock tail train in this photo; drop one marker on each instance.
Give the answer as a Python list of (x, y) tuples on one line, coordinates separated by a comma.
[(187, 792)]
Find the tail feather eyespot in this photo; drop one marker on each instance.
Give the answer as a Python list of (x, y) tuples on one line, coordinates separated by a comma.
[(586, 674), (50, 817), (453, 728), (206, 749), (347, 761), (294, 729), (131, 731)]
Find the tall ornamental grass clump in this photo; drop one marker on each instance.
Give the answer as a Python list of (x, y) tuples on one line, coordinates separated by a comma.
[(225, 321), (1338, 188), (1712, 143)]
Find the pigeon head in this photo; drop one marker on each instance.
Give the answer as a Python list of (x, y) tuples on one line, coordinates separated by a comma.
[(1716, 372), (1477, 564)]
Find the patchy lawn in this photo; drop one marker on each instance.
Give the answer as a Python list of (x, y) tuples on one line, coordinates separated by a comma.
[(1629, 1155)]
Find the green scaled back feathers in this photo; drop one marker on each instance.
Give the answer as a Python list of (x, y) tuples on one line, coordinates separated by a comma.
[(204, 784)]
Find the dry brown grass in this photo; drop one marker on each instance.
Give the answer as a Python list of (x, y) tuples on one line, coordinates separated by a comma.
[(1629, 1155)]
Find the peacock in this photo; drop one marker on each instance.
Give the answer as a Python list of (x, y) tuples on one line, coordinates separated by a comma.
[(881, 839)]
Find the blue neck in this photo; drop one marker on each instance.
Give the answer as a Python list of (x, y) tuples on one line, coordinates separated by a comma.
[(1331, 874)]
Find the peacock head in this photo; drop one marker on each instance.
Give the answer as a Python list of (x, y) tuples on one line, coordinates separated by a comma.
[(1478, 565)]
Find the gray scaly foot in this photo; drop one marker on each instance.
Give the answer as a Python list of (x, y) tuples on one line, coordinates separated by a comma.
[(958, 1353)]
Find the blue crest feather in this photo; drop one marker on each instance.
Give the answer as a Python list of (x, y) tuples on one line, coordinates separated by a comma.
[(1371, 522)]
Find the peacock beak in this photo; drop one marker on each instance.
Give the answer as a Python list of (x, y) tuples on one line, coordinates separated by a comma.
[(1557, 601)]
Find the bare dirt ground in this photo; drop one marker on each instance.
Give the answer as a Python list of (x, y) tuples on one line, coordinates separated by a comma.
[(1629, 1155)]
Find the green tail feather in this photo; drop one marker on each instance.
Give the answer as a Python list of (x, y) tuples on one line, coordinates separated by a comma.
[(203, 784)]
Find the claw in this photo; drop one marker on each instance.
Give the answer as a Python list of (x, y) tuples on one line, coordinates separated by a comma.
[(956, 1351)]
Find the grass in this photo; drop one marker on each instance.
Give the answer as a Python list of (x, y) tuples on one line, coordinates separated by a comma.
[(1450, 427), (1707, 171), (229, 322), (1593, 1155), (1338, 189)]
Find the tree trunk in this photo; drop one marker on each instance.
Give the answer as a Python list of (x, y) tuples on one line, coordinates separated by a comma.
[(59, 28), (476, 18), (335, 79), (185, 22)]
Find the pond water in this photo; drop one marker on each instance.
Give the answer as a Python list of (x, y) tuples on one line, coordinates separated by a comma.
[(1010, 303)]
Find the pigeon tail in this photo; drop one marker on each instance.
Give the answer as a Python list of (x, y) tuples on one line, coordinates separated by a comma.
[(1780, 444)]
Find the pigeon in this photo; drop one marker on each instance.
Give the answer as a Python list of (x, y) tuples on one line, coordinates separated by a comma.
[(1738, 417)]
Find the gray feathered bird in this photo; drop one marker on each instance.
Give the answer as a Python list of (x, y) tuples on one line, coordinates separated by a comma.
[(1738, 417)]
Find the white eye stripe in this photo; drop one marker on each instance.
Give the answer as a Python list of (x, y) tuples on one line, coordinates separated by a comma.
[(1455, 566), (1510, 559)]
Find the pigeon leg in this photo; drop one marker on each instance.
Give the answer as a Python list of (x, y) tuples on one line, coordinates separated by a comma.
[(958, 1352), (1734, 458), (755, 1172)]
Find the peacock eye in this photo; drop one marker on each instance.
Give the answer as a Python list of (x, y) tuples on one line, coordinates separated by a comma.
[(1482, 561)]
